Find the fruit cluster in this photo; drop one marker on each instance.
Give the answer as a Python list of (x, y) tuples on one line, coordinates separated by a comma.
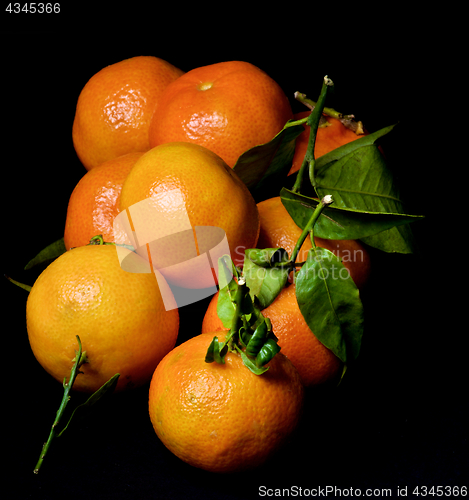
[(180, 166)]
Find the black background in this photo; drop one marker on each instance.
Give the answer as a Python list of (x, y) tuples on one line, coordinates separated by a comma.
[(400, 417)]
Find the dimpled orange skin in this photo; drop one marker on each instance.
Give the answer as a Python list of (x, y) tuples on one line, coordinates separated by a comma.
[(94, 202), (228, 107), (213, 196), (115, 108), (222, 417), (119, 316), (316, 364), (328, 138), (278, 230)]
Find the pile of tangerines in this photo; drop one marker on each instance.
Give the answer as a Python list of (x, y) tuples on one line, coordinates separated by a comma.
[(142, 129)]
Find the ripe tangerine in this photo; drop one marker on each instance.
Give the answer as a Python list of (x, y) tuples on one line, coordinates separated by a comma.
[(228, 107)]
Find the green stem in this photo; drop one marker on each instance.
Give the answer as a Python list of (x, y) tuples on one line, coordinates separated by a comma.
[(80, 358), (327, 200), (293, 123), (313, 122), (238, 313)]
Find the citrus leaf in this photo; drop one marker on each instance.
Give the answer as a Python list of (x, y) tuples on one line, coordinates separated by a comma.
[(361, 180), (341, 151), (341, 223), (17, 283), (49, 253), (227, 288), (216, 352), (395, 240), (265, 257), (250, 364), (107, 388), (264, 282), (267, 165), (267, 352), (330, 303), (257, 339)]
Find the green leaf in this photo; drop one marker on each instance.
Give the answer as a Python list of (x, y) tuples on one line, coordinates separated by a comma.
[(48, 254), (216, 352), (227, 289), (257, 339), (17, 283), (268, 164), (264, 282), (395, 240), (226, 307), (250, 364), (267, 352), (341, 151), (106, 388), (330, 303), (266, 257), (361, 180), (340, 223)]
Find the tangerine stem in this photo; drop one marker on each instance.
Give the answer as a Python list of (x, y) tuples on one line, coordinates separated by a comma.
[(238, 312), (313, 122), (346, 120), (238, 301), (80, 358), (327, 200)]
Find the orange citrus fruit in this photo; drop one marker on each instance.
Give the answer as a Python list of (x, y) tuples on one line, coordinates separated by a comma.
[(189, 188), (94, 202), (278, 230), (228, 107), (222, 417), (119, 316), (115, 107), (316, 364), (328, 138)]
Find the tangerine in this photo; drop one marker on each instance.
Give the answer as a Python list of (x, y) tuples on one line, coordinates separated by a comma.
[(228, 107), (115, 108), (328, 138), (94, 202), (222, 417), (119, 316), (278, 230), (189, 188), (316, 364)]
